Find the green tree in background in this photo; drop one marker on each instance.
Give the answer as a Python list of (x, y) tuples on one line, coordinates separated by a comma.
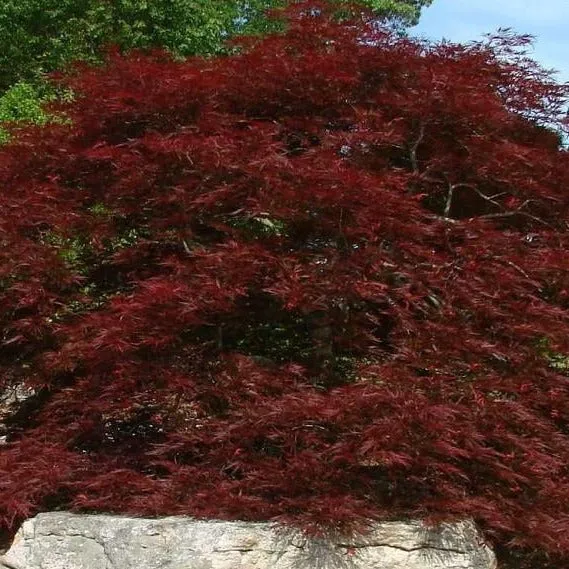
[(40, 36)]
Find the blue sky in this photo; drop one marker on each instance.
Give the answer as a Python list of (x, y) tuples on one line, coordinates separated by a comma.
[(464, 20)]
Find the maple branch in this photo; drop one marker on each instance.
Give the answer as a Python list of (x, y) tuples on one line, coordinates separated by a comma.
[(341, 229), (413, 150), (448, 202), (481, 194), (519, 269), (515, 212), (450, 196)]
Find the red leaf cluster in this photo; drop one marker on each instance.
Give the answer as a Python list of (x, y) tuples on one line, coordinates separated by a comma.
[(314, 283)]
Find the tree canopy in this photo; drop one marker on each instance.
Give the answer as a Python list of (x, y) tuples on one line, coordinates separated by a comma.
[(316, 281)]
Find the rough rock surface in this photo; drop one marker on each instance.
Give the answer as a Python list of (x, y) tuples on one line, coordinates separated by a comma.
[(11, 397), (71, 541)]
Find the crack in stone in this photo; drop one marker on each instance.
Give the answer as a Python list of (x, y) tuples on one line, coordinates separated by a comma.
[(108, 563), (401, 548), (106, 553), (64, 534), (347, 546), (244, 550)]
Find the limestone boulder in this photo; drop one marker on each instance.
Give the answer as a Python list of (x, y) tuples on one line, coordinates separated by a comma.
[(62, 540)]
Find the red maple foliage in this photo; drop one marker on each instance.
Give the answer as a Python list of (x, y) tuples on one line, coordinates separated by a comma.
[(310, 282)]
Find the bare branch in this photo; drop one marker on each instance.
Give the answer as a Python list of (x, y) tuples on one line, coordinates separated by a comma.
[(519, 269), (448, 203), (413, 151), (514, 213), (481, 194), (446, 219)]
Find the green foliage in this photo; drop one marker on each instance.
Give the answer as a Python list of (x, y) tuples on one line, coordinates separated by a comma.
[(400, 12), (258, 227), (557, 361), (38, 36), (21, 102), (24, 103)]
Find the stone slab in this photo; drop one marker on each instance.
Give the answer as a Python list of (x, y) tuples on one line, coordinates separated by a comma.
[(60, 540)]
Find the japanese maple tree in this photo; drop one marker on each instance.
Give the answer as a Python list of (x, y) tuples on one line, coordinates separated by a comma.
[(317, 282)]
